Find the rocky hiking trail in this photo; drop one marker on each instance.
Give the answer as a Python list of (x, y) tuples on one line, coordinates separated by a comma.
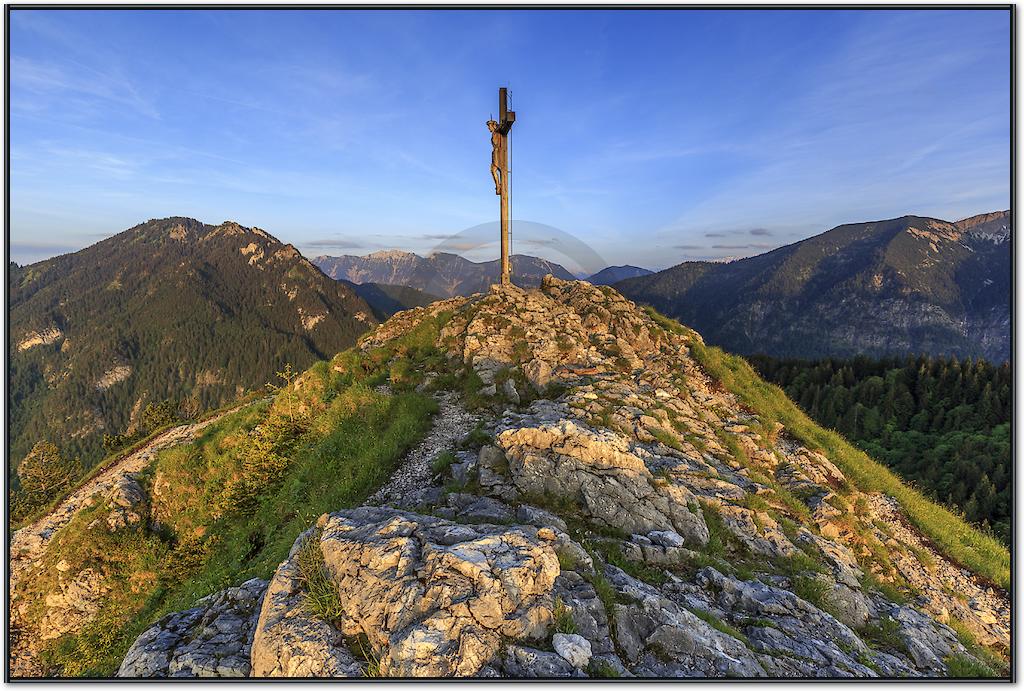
[(608, 509), (450, 425), (28, 544), (215, 638)]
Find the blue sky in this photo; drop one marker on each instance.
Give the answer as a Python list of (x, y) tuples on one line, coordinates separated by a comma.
[(651, 136)]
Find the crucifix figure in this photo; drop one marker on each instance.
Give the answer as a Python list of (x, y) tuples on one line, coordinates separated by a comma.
[(496, 152), (499, 171)]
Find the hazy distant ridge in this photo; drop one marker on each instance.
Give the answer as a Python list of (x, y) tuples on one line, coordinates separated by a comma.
[(441, 273)]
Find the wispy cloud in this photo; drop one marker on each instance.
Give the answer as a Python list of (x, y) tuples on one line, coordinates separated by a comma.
[(52, 81), (680, 129), (333, 243)]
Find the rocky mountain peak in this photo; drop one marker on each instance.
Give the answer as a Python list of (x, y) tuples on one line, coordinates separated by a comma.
[(901, 286), (610, 418), (144, 284), (979, 219), (724, 545), (995, 227), (392, 255), (441, 273)]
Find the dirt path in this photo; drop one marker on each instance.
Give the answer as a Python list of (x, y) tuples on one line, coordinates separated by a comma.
[(29, 543), (451, 423)]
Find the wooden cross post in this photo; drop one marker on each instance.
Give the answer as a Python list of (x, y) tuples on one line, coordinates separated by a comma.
[(505, 119)]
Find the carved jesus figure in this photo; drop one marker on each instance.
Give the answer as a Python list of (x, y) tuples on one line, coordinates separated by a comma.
[(496, 141)]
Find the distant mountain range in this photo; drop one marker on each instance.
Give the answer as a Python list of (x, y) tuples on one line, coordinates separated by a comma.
[(441, 273), (167, 309), (614, 274), (905, 285)]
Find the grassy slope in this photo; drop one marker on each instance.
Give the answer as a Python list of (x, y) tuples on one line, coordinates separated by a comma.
[(117, 456), (210, 539), (953, 536)]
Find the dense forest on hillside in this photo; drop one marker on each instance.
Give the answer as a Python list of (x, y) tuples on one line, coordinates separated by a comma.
[(171, 309), (943, 424)]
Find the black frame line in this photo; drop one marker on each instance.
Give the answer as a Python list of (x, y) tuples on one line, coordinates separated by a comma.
[(8, 8)]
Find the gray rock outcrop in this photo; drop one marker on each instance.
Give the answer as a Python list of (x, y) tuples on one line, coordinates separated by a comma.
[(431, 597), (213, 639)]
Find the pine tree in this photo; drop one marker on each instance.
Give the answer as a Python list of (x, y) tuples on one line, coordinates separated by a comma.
[(43, 474)]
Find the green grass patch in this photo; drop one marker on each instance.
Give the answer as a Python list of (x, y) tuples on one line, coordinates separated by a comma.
[(966, 667), (995, 659), (716, 623), (815, 590), (885, 634), (361, 648), (612, 553), (601, 669), (322, 598), (478, 437), (567, 561), (442, 462), (666, 323), (562, 616), (666, 438)]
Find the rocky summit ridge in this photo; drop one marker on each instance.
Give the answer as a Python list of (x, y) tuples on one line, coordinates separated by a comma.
[(612, 509)]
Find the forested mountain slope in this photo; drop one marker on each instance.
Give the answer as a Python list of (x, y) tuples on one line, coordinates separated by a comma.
[(386, 299), (169, 309), (614, 274), (442, 273)]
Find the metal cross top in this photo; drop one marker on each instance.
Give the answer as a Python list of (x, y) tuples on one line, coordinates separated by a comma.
[(499, 171)]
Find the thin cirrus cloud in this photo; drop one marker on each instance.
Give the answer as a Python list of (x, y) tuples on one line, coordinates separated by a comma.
[(45, 86), (334, 243)]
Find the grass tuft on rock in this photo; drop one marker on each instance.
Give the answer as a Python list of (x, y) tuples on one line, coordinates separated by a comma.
[(601, 669), (442, 462), (562, 616), (716, 623), (321, 595), (967, 667)]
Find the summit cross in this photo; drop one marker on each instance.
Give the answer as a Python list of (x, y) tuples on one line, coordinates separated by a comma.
[(499, 171)]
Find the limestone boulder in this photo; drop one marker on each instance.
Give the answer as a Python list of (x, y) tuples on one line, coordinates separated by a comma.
[(549, 453), (430, 597), (213, 639)]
